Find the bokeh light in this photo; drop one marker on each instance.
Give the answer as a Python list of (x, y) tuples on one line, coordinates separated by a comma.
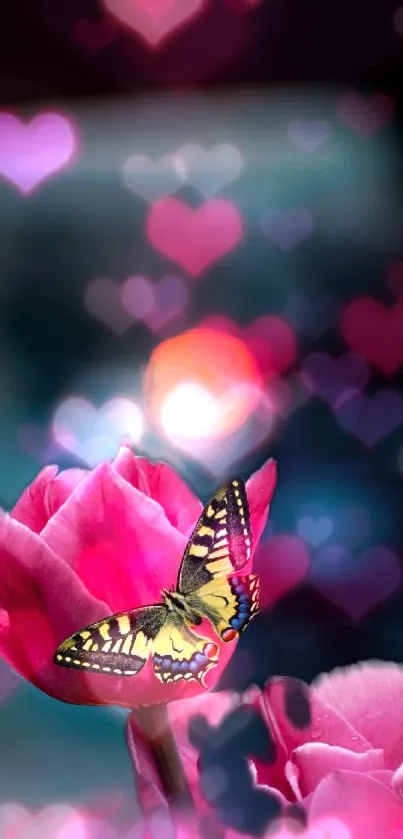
[(203, 383)]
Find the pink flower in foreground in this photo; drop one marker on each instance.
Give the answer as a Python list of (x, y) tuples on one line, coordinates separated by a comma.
[(345, 765), (81, 545)]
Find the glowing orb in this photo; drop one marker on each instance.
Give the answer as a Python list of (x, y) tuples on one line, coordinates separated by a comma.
[(202, 384)]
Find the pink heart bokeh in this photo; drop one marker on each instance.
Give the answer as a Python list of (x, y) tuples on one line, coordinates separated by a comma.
[(366, 115), (30, 153), (137, 300), (155, 20), (94, 35), (194, 238)]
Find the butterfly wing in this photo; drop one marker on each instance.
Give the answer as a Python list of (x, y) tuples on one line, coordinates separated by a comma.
[(230, 603), (221, 542), (118, 645), (179, 653)]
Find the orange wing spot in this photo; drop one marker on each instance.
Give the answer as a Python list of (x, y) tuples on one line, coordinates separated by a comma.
[(229, 634)]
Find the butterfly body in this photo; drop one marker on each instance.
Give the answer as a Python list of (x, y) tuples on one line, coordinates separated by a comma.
[(208, 588)]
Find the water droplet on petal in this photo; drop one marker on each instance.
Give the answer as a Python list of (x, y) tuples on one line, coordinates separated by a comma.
[(316, 733)]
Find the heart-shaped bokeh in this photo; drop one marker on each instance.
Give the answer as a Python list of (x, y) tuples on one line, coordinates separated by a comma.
[(308, 135), (334, 378), (95, 434), (370, 418), (375, 332), (285, 560), (210, 170), (269, 338), (366, 115), (158, 20), (286, 230), (30, 153), (315, 531), (194, 238), (356, 584), (137, 300), (312, 317)]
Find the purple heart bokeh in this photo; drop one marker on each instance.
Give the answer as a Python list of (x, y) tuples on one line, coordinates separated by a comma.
[(308, 135), (315, 531), (286, 230), (370, 418), (312, 317), (332, 378), (355, 584)]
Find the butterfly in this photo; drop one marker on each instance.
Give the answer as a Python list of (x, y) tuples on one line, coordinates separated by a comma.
[(208, 586)]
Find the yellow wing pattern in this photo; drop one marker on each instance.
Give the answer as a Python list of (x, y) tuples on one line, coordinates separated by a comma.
[(181, 654)]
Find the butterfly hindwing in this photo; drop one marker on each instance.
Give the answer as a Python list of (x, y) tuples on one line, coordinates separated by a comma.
[(230, 603), (180, 653), (118, 645), (221, 542)]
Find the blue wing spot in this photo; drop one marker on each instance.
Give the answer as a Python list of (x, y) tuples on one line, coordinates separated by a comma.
[(200, 657)]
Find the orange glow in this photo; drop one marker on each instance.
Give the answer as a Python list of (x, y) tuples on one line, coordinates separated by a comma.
[(202, 384)]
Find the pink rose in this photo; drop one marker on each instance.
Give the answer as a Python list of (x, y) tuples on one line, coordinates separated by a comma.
[(81, 545), (346, 764)]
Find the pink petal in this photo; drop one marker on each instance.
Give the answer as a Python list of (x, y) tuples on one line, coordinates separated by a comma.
[(384, 776), (118, 540), (60, 487), (313, 761), (30, 508), (42, 602), (160, 482), (370, 696), (327, 726), (367, 807), (282, 563), (260, 488), (397, 781)]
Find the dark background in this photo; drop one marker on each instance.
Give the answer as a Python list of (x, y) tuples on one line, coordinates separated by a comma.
[(239, 75)]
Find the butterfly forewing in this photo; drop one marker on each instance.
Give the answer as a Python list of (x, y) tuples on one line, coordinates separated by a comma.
[(221, 542), (119, 645)]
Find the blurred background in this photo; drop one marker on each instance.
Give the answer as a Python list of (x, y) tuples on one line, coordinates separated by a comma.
[(201, 255)]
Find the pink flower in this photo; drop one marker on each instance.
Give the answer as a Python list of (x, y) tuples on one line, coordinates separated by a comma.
[(346, 764), (81, 545)]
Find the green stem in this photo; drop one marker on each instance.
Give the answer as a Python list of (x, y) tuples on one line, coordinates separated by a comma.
[(154, 723)]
